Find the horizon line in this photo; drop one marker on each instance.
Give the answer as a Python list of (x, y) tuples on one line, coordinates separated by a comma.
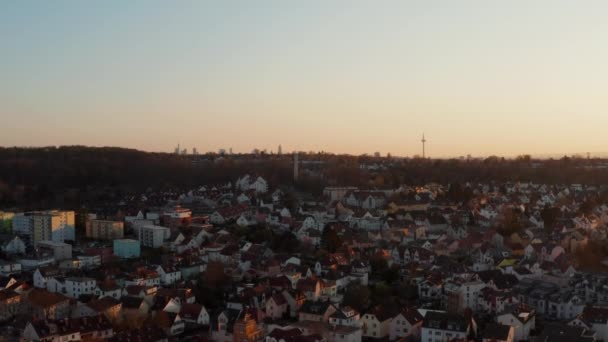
[(537, 156)]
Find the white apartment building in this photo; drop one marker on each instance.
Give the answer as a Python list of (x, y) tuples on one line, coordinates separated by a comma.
[(74, 287), (153, 236), (59, 250)]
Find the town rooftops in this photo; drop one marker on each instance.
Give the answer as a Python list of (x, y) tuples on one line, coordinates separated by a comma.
[(79, 279), (380, 312), (522, 312), (445, 321), (565, 333), (103, 304), (595, 314), (315, 308), (45, 299)]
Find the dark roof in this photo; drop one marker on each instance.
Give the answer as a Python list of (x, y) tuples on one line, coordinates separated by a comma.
[(231, 314), (412, 315), (445, 321), (103, 304), (279, 299), (149, 332), (44, 298), (565, 333), (7, 294), (496, 331), (315, 308), (381, 313), (595, 314), (131, 302), (190, 311)]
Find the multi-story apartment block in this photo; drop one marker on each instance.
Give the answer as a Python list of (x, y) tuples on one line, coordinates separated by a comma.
[(153, 236), (54, 225), (105, 229)]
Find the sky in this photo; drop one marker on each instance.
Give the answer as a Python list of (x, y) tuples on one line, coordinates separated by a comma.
[(477, 77)]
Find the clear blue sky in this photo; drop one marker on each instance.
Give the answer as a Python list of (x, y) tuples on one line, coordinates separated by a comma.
[(479, 77)]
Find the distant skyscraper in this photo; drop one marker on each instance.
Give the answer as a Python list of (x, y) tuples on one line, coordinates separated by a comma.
[(194, 151), (177, 149), (231, 150), (280, 150)]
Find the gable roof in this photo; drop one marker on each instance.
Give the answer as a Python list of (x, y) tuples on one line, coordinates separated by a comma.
[(103, 304), (191, 311), (445, 321), (315, 308), (279, 299), (45, 299), (381, 313)]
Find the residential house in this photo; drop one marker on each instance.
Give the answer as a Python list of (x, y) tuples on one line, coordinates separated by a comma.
[(168, 274), (345, 316), (13, 246), (77, 286), (311, 287), (42, 304), (76, 329), (10, 304), (376, 322), (316, 311), (171, 323), (194, 314), (107, 306), (441, 326), (407, 323), (593, 317), (522, 318), (108, 289), (9, 267), (277, 306), (134, 308)]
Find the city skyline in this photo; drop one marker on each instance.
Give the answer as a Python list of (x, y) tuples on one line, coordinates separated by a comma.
[(478, 78)]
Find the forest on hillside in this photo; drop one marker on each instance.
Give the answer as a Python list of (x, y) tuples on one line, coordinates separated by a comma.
[(70, 175)]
